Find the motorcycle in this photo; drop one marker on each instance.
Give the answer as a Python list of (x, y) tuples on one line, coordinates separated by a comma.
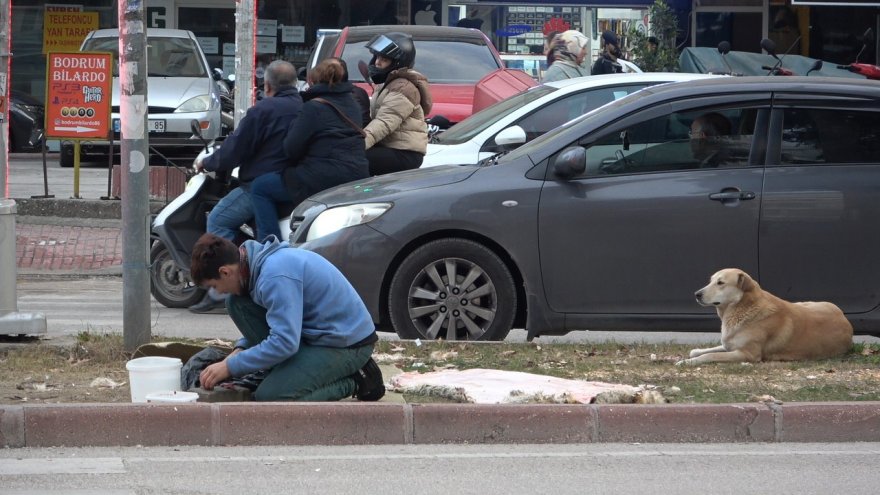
[(226, 86), (778, 70), (868, 70), (180, 224)]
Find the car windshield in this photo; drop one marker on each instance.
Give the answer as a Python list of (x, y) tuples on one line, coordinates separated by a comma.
[(468, 128), (444, 62), (166, 57)]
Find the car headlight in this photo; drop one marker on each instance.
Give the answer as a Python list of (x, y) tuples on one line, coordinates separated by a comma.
[(201, 103), (329, 221)]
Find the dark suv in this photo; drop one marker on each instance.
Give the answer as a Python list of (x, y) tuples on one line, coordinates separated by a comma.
[(453, 59)]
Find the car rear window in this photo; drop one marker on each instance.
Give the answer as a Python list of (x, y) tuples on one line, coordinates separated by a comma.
[(447, 62), (169, 57)]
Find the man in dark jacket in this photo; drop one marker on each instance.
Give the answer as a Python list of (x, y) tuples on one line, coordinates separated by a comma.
[(607, 62), (255, 148)]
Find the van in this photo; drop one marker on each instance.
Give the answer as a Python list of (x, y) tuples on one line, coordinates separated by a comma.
[(180, 88)]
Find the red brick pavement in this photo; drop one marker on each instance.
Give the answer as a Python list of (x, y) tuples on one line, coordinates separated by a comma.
[(62, 247)]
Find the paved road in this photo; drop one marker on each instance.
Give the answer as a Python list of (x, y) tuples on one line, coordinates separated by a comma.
[(26, 177), (442, 469)]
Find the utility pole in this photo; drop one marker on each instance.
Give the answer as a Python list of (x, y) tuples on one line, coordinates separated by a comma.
[(245, 37), (5, 44), (134, 173)]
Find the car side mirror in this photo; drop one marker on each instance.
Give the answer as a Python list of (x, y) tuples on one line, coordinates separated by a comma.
[(571, 162), (510, 137), (217, 74)]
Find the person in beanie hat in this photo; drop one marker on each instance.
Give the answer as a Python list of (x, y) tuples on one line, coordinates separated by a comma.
[(607, 61)]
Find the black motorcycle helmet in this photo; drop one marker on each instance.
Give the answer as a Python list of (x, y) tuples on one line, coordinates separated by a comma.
[(398, 47)]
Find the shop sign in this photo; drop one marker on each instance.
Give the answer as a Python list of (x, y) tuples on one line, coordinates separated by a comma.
[(79, 88), (66, 30), (514, 30)]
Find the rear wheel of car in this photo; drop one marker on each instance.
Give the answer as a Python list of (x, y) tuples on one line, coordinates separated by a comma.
[(169, 283), (452, 289)]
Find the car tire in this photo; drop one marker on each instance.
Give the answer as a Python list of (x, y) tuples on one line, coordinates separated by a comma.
[(479, 305), (169, 283), (65, 157)]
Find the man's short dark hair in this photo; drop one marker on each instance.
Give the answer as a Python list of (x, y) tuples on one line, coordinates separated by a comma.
[(653, 40), (209, 254), (280, 73), (714, 124)]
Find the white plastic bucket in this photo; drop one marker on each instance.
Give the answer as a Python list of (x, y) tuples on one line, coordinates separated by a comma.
[(174, 397), (151, 374)]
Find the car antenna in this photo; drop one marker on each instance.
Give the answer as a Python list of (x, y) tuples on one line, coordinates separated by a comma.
[(724, 49), (770, 47), (869, 33)]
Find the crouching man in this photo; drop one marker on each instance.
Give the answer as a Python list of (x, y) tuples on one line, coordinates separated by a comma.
[(299, 318)]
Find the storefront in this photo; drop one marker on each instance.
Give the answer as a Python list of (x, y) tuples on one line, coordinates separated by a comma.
[(828, 29), (831, 30)]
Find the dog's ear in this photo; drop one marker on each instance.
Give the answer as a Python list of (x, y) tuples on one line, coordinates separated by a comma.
[(745, 282)]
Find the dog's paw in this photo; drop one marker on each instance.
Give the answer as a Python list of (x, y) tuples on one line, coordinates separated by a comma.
[(685, 362)]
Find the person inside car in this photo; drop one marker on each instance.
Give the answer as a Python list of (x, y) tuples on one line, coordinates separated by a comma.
[(706, 139), (396, 137)]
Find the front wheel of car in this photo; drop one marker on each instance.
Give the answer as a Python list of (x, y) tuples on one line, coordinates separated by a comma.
[(452, 289)]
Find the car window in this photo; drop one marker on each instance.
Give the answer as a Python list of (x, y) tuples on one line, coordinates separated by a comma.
[(704, 138), (171, 57), (571, 106), (817, 136), (476, 123), (445, 62)]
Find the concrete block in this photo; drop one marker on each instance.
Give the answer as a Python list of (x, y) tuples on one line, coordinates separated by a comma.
[(502, 423), (831, 422), (101, 425), (284, 423), (685, 423), (11, 426)]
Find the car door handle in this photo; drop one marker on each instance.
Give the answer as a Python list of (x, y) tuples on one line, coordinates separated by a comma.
[(728, 195)]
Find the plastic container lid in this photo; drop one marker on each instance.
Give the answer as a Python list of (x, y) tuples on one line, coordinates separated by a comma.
[(152, 363), (174, 396)]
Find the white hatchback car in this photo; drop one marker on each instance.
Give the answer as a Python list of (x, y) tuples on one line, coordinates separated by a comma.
[(523, 117), (181, 88)]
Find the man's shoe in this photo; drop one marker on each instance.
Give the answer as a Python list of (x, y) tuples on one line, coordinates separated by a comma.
[(208, 305), (370, 386)]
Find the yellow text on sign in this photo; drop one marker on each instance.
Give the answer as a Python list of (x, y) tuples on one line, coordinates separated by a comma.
[(65, 31)]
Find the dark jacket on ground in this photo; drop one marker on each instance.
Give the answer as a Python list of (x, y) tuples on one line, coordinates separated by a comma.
[(323, 150), (253, 145)]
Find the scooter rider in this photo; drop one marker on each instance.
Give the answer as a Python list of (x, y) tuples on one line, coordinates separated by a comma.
[(254, 148), (396, 137)]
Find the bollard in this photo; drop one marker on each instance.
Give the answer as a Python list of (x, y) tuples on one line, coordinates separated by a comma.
[(11, 321)]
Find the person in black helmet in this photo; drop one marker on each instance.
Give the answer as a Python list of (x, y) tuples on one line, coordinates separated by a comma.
[(396, 137)]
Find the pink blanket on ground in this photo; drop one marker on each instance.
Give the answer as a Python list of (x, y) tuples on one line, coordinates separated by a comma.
[(482, 386)]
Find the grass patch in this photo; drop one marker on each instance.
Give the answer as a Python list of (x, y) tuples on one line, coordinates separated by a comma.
[(46, 373)]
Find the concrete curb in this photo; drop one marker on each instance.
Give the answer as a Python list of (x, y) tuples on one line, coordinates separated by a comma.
[(217, 424), (75, 208)]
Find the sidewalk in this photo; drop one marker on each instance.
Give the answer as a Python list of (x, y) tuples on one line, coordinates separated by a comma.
[(66, 246)]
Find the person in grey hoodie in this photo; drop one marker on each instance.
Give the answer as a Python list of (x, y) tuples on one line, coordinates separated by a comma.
[(300, 319)]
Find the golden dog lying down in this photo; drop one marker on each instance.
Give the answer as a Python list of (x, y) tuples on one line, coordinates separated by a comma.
[(758, 326)]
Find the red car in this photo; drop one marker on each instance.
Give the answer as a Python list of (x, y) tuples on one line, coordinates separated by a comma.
[(453, 59)]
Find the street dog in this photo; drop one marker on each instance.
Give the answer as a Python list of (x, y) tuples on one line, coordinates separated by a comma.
[(758, 326)]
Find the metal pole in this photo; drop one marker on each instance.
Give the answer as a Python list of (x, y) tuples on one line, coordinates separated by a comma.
[(134, 173), (4, 93), (245, 52)]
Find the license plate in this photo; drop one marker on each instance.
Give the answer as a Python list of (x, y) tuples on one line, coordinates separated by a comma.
[(153, 125)]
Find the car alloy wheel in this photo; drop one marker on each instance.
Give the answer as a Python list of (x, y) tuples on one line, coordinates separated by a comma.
[(452, 289)]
